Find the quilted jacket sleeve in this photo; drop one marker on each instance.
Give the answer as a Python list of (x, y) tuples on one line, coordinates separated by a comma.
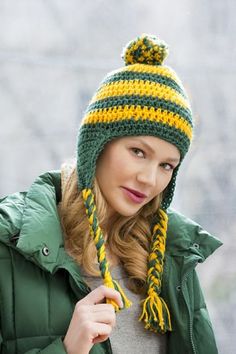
[(11, 208), (56, 347)]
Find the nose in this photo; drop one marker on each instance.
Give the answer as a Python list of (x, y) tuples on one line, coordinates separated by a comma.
[(148, 176)]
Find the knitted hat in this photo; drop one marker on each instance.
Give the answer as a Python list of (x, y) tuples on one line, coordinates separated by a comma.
[(142, 98)]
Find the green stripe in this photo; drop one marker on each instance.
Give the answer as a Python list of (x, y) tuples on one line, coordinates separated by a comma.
[(131, 76), (99, 243), (143, 101), (101, 132)]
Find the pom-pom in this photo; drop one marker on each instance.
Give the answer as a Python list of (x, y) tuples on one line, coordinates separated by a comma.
[(146, 49)]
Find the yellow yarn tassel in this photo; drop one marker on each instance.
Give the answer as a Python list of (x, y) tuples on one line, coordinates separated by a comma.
[(114, 285), (155, 313)]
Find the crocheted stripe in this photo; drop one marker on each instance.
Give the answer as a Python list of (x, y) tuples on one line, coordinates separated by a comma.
[(140, 102), (141, 88), (145, 76), (151, 69), (136, 113), (162, 70)]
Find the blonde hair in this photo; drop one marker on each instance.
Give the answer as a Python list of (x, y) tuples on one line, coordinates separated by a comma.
[(129, 237)]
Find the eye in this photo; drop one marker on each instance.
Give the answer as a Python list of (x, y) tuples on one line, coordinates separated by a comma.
[(138, 152), (167, 166)]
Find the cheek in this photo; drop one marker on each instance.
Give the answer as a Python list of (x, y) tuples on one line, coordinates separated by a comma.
[(111, 167), (166, 182), (120, 165), (162, 183), (120, 172)]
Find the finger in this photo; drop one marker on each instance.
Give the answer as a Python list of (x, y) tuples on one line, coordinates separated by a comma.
[(100, 339), (101, 330), (102, 313), (99, 294), (106, 315), (102, 308)]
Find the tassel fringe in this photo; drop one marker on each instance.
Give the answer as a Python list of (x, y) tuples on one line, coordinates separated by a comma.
[(126, 302), (155, 314)]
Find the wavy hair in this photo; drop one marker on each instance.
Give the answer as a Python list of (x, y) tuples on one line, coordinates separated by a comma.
[(129, 237)]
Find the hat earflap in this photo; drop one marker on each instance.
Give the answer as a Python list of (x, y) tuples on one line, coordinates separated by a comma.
[(155, 314), (96, 233)]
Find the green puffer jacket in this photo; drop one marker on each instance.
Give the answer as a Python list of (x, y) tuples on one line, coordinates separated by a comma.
[(40, 283)]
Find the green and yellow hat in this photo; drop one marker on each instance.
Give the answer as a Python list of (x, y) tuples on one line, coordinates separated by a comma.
[(144, 97)]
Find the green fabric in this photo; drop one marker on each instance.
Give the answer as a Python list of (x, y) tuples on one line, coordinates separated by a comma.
[(38, 292), (55, 347)]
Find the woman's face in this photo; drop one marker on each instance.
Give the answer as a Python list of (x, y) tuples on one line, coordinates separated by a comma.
[(131, 171)]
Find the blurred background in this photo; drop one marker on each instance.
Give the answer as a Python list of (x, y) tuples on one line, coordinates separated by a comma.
[(53, 54)]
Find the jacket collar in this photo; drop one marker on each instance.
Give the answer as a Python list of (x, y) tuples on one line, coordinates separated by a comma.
[(41, 238), (186, 237)]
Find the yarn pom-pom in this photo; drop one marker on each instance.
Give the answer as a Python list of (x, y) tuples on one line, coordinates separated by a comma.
[(146, 49)]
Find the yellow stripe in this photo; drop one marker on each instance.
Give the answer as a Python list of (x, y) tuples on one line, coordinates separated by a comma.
[(141, 88), (164, 71), (158, 267), (156, 227), (152, 256), (114, 114), (102, 253), (97, 235)]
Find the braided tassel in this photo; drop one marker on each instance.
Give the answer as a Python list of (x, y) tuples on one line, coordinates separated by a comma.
[(155, 312), (96, 233)]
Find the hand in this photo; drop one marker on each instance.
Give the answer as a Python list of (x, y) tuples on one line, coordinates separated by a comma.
[(92, 320)]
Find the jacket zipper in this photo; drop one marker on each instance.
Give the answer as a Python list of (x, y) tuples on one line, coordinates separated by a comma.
[(190, 319)]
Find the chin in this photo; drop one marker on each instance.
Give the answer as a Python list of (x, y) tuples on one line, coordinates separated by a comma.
[(127, 213)]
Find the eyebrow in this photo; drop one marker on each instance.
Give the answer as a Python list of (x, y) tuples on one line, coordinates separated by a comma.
[(170, 159)]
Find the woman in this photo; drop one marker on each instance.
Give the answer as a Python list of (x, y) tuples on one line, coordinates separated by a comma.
[(107, 217)]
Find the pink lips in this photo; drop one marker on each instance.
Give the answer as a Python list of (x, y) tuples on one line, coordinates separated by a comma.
[(134, 195)]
